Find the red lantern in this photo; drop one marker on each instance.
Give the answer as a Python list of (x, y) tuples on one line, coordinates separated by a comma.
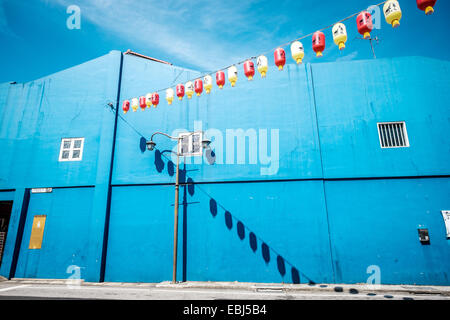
[(198, 85), (180, 91), (280, 58), (142, 103), (220, 79), (249, 69), (318, 43), (426, 5), (365, 24), (155, 99), (126, 106)]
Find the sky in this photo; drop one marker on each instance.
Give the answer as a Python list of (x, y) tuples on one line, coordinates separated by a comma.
[(204, 35)]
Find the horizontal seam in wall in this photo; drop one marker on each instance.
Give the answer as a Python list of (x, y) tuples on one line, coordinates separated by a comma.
[(282, 180)]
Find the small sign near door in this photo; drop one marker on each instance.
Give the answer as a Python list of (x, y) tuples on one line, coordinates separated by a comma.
[(37, 232), (446, 216)]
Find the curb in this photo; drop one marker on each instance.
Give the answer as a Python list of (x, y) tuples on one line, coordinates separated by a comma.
[(257, 287), (340, 288)]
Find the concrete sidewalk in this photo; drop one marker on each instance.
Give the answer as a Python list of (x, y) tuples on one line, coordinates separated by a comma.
[(261, 287)]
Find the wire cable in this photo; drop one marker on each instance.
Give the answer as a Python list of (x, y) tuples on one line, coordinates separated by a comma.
[(269, 51)]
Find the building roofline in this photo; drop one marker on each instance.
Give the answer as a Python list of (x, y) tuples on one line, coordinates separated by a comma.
[(146, 57)]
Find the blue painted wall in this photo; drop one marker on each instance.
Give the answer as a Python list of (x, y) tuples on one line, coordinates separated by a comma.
[(353, 96), (38, 114), (224, 233), (375, 222), (66, 235), (337, 204)]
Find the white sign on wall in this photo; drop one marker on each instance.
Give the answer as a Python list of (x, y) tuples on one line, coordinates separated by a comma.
[(446, 216)]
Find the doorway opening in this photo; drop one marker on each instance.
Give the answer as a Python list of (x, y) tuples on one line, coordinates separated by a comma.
[(5, 215)]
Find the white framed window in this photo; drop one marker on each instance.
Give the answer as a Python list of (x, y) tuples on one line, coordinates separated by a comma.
[(71, 149), (393, 135), (190, 144)]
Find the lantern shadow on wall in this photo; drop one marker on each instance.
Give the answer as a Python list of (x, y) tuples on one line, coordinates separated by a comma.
[(254, 241)]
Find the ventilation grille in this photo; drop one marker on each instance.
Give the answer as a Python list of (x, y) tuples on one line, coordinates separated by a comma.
[(393, 135)]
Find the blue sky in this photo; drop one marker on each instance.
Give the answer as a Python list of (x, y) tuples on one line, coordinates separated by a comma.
[(204, 35)]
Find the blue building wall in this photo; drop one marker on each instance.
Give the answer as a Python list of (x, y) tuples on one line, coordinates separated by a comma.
[(66, 236), (334, 204)]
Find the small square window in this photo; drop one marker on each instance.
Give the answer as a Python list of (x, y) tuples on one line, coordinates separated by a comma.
[(71, 149)]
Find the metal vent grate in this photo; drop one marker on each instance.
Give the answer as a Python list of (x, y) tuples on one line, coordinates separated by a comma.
[(393, 135)]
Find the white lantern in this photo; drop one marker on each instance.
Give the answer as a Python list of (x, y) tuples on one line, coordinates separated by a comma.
[(297, 51), (169, 95), (208, 83), (189, 89), (232, 75), (263, 65)]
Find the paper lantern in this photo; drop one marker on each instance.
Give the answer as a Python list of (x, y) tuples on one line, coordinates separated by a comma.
[(280, 58), (232, 75), (142, 103), (297, 51), (263, 65), (392, 13), (220, 79), (207, 83), (189, 89), (249, 69), (169, 96), (318, 42), (198, 86), (148, 100), (126, 106), (134, 104), (365, 24), (426, 5), (180, 91), (340, 35), (155, 99)]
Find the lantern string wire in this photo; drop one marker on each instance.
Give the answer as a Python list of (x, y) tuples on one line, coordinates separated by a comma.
[(269, 51)]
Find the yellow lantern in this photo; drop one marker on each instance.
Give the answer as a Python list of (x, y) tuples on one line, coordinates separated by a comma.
[(189, 89), (392, 13), (263, 65), (169, 96), (232, 75), (340, 35), (297, 51), (135, 104), (207, 81)]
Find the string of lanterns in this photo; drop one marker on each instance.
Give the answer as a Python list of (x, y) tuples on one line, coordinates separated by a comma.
[(392, 13)]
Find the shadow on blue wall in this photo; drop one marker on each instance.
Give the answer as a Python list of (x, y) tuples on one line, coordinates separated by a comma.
[(230, 220)]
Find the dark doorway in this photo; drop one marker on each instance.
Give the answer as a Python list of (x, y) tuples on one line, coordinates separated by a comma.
[(5, 214)]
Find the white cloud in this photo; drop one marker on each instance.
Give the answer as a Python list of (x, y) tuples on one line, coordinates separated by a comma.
[(202, 34)]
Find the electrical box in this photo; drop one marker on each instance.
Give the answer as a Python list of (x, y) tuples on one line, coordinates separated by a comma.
[(446, 216), (424, 237)]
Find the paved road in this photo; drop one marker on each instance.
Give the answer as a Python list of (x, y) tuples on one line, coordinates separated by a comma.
[(17, 290)]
